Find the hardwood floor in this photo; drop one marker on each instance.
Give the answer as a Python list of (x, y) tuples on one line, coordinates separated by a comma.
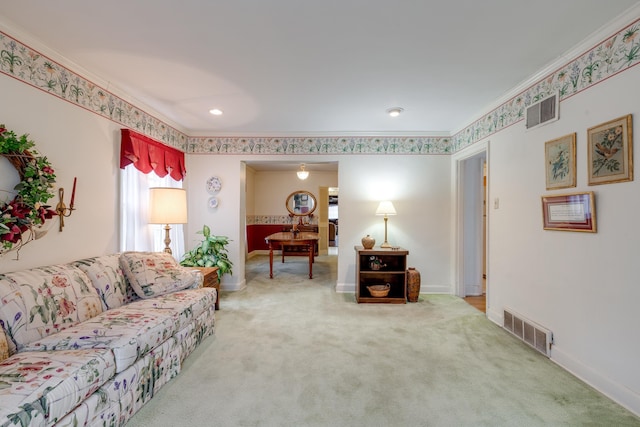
[(479, 302)]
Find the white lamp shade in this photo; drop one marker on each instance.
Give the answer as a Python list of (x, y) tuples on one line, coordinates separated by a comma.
[(167, 205), (386, 208)]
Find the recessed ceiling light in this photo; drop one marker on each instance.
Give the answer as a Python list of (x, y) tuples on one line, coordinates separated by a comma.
[(216, 112), (395, 112)]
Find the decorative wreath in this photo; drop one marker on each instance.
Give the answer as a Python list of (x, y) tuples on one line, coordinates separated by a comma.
[(22, 219)]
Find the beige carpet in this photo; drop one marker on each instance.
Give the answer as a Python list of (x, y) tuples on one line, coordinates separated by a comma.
[(292, 352)]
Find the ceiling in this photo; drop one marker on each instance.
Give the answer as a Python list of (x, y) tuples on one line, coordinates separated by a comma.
[(294, 67)]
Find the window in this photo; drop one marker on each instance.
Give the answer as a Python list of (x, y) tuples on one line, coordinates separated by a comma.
[(136, 234)]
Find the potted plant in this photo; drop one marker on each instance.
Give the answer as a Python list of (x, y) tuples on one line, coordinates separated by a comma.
[(211, 252)]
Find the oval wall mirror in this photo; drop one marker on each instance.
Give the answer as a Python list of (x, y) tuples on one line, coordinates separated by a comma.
[(301, 203)]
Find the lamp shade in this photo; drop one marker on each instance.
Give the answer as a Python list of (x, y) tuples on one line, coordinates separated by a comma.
[(386, 208), (167, 205)]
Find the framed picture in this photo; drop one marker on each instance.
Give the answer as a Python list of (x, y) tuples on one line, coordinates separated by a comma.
[(610, 151), (569, 212), (560, 162)]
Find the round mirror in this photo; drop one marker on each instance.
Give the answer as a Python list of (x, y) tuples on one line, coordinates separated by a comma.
[(301, 203)]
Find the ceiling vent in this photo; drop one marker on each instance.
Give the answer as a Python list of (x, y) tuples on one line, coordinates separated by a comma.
[(542, 112)]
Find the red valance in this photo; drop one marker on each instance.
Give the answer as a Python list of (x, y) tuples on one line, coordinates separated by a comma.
[(148, 155)]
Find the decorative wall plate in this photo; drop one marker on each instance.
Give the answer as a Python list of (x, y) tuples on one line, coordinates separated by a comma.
[(213, 202), (214, 184)]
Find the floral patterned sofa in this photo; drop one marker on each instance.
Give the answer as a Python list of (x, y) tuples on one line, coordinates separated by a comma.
[(90, 342)]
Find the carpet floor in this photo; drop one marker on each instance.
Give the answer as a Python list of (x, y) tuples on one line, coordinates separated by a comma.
[(290, 351)]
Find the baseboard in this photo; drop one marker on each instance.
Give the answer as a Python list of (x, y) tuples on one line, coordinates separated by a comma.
[(259, 252), (237, 286), (436, 289), (619, 393), (495, 316), (343, 288)]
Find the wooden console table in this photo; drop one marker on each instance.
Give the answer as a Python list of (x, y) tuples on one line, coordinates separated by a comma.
[(288, 238)]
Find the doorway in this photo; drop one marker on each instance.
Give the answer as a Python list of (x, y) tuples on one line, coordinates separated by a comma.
[(472, 259), (332, 215)]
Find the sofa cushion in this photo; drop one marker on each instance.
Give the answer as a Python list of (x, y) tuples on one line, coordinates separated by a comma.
[(184, 306), (39, 388), (107, 277), (41, 301), (129, 332), (156, 273)]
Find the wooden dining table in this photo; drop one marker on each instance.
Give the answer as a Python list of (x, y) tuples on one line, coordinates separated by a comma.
[(284, 239)]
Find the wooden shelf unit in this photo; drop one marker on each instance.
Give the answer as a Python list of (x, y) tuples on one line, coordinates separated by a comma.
[(393, 272)]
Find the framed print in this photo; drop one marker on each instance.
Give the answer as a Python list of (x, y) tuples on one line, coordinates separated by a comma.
[(610, 151), (569, 212), (560, 162)]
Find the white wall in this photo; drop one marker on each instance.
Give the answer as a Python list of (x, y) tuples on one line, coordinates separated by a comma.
[(581, 286), (228, 219), (78, 144), (271, 189), (417, 185)]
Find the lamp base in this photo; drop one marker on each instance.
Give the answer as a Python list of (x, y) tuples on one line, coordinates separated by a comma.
[(167, 240), (385, 244)]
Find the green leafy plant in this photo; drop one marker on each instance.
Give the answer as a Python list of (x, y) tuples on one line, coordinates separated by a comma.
[(211, 252)]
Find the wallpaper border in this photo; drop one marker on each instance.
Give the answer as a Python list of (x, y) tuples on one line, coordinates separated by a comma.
[(616, 54)]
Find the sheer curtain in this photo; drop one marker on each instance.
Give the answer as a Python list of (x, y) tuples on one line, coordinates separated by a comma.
[(136, 234)]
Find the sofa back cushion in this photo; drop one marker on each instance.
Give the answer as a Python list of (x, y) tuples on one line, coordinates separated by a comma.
[(107, 277), (156, 273), (36, 303)]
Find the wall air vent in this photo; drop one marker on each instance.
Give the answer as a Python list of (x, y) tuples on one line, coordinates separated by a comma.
[(542, 112), (535, 335)]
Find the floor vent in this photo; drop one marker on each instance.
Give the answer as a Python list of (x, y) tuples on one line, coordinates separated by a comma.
[(542, 112), (536, 336)]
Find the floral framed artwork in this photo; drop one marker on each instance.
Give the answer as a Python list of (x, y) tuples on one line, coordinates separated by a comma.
[(610, 151), (569, 212), (560, 162)]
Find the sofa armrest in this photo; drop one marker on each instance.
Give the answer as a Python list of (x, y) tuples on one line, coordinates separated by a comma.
[(4, 346)]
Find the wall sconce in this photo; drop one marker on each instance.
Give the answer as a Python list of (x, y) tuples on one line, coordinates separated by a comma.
[(302, 174), (167, 206), (385, 208), (61, 208)]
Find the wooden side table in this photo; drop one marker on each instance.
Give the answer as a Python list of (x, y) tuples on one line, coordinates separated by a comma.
[(211, 280), (390, 267)]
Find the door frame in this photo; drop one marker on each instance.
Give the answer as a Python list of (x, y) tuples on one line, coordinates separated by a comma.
[(469, 221)]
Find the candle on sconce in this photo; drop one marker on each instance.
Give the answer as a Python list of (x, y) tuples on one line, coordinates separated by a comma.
[(73, 192)]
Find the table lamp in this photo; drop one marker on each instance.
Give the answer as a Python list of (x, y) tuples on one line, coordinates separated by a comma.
[(167, 206), (385, 208)]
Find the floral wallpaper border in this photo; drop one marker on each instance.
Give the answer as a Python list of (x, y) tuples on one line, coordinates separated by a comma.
[(614, 55), (321, 145), (19, 61), (274, 219)]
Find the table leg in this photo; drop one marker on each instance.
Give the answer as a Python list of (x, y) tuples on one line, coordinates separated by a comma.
[(311, 250), (270, 261)]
